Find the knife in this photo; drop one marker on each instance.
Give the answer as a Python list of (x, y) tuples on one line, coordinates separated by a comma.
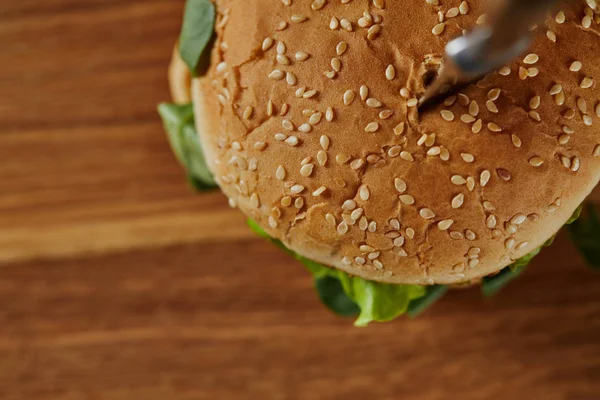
[(506, 35)]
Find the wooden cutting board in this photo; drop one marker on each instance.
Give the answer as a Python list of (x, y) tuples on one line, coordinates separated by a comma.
[(118, 282)]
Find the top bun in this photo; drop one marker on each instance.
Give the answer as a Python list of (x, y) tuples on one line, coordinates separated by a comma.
[(309, 120)]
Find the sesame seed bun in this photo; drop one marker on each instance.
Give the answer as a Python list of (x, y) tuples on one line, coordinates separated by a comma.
[(308, 119)]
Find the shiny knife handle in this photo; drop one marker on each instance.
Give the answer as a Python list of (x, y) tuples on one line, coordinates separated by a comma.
[(512, 19), (504, 36)]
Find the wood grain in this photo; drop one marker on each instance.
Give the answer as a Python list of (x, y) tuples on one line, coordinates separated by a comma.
[(118, 282)]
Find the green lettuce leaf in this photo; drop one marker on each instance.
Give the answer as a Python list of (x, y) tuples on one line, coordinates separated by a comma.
[(372, 301), (197, 35), (434, 293), (585, 233), (493, 284), (181, 131)]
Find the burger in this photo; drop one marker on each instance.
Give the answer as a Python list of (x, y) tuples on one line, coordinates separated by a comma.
[(305, 114)]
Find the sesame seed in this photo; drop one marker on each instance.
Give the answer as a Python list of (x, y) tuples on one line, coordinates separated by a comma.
[(357, 164), (467, 157), (447, 115), (267, 44), (559, 99), (535, 115), (551, 35), (560, 17), (329, 114), (297, 18), (315, 118), (470, 235), (319, 191), (406, 156), (587, 120), (492, 126), (456, 235), (484, 178), (413, 102), (385, 114), (390, 72), (307, 170), (347, 25), (474, 108), (334, 23), (504, 71), (373, 103), (522, 245), (463, 8), (305, 128), (342, 228), (341, 48), (297, 189), (292, 141), (523, 74), (336, 64), (575, 66), (284, 109), (458, 201), (598, 110), (301, 56), (458, 180), (290, 78), (556, 89), (453, 12), (477, 126), (364, 193), (509, 244), (518, 219), (494, 94), (491, 221), (394, 151), (248, 112), (516, 141), (400, 185), (407, 199), (372, 127), (445, 224), (280, 137), (286, 201), (564, 139), (531, 58), (596, 152), (586, 22), (438, 29), (310, 94), (586, 83), (491, 106), (470, 183), (276, 75), (281, 48), (575, 164), (467, 118), (426, 213), (373, 32), (318, 4), (272, 222), (348, 97), (534, 102), (342, 158), (399, 129), (434, 151), (322, 158), (280, 173), (356, 214)]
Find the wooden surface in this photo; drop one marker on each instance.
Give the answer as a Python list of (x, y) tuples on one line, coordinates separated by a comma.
[(117, 282)]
